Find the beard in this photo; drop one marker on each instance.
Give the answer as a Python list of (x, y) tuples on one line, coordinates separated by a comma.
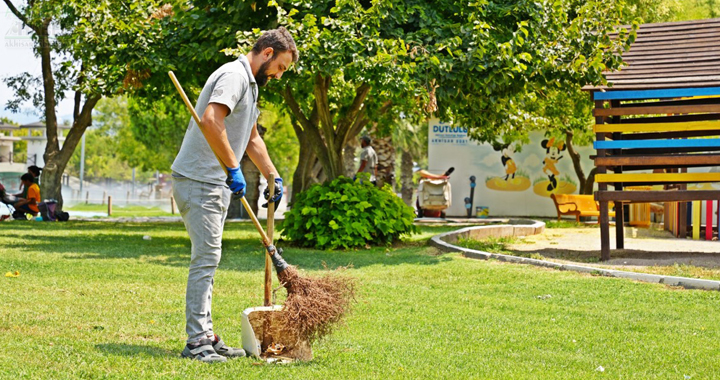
[(262, 77)]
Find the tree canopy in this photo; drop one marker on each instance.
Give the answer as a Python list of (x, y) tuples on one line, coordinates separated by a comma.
[(481, 63), (97, 48)]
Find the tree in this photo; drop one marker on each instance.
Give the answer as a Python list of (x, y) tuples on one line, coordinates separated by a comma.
[(568, 116), (521, 66), (159, 125), (111, 149), (654, 10), (671, 10), (351, 72), (98, 48), (412, 141), (474, 62), (511, 52)]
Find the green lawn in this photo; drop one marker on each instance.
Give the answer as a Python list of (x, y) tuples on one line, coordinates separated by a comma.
[(119, 210), (95, 300)]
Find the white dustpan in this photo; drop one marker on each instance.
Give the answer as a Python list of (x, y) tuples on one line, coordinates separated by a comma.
[(250, 341)]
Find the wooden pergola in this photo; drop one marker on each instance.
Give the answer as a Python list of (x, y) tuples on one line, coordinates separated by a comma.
[(657, 117)]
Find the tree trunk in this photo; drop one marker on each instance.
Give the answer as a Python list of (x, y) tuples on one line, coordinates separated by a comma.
[(309, 170), (590, 182), (406, 175), (576, 160), (56, 159), (386, 160), (349, 157), (325, 137)]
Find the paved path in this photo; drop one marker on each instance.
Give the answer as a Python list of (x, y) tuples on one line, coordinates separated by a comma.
[(643, 247)]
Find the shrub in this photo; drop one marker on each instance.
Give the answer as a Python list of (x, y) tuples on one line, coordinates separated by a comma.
[(347, 213)]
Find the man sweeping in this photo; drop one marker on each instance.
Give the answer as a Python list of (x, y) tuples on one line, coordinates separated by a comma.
[(228, 105)]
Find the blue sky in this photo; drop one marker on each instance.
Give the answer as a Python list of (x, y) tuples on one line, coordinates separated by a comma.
[(16, 56)]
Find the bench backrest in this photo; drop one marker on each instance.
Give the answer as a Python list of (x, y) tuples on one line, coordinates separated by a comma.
[(570, 202)]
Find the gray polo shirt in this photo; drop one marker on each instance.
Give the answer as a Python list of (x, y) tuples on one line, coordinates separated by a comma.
[(233, 85)]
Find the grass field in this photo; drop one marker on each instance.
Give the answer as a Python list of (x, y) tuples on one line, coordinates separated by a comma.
[(119, 210), (95, 300)]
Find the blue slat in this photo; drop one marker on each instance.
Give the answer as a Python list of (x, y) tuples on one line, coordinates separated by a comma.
[(648, 144), (657, 94)]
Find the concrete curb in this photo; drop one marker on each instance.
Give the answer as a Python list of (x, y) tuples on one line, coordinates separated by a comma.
[(529, 227)]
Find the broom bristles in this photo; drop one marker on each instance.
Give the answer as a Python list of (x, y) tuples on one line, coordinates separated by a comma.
[(314, 306)]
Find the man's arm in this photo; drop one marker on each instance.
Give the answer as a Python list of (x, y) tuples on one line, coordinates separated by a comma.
[(257, 151), (213, 126), (362, 165)]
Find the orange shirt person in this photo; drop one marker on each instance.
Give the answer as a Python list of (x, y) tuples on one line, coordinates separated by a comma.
[(29, 204)]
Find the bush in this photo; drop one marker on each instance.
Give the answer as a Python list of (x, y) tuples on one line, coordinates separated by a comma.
[(347, 213)]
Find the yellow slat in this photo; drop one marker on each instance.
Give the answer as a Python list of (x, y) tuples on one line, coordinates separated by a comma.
[(658, 127), (696, 220), (659, 177)]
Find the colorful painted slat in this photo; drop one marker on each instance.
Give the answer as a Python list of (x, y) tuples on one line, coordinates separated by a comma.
[(708, 220), (696, 211), (650, 144), (664, 161), (646, 110), (657, 94), (658, 177), (657, 195), (657, 127)]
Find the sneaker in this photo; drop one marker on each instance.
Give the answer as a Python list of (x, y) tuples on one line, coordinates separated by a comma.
[(203, 351), (223, 349)]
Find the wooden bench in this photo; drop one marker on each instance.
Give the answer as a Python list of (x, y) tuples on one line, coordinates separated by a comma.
[(578, 205)]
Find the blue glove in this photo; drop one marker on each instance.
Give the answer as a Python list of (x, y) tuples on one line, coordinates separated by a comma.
[(278, 192), (236, 181)]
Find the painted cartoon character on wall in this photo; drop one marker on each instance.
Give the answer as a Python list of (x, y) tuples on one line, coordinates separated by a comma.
[(552, 156), (514, 179), (508, 163), (507, 150)]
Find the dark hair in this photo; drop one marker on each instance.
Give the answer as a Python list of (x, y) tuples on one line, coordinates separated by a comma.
[(279, 39), (366, 139), (27, 177), (34, 170)]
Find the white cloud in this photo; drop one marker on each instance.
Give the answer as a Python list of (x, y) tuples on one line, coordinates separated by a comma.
[(532, 161), (490, 159)]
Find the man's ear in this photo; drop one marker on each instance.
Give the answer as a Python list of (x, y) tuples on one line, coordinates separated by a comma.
[(268, 53)]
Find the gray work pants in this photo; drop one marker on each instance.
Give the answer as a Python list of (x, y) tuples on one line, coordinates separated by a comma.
[(203, 207)]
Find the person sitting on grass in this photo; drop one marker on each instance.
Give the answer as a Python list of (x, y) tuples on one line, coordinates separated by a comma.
[(28, 203), (35, 171)]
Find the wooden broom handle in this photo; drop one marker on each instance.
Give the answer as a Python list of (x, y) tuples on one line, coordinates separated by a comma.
[(270, 232)]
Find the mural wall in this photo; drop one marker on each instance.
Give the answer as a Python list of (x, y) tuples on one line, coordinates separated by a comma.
[(508, 180)]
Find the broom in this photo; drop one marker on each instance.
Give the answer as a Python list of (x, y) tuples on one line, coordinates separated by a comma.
[(313, 305)]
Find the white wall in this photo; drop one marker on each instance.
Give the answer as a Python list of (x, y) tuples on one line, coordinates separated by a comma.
[(36, 148), (522, 196)]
